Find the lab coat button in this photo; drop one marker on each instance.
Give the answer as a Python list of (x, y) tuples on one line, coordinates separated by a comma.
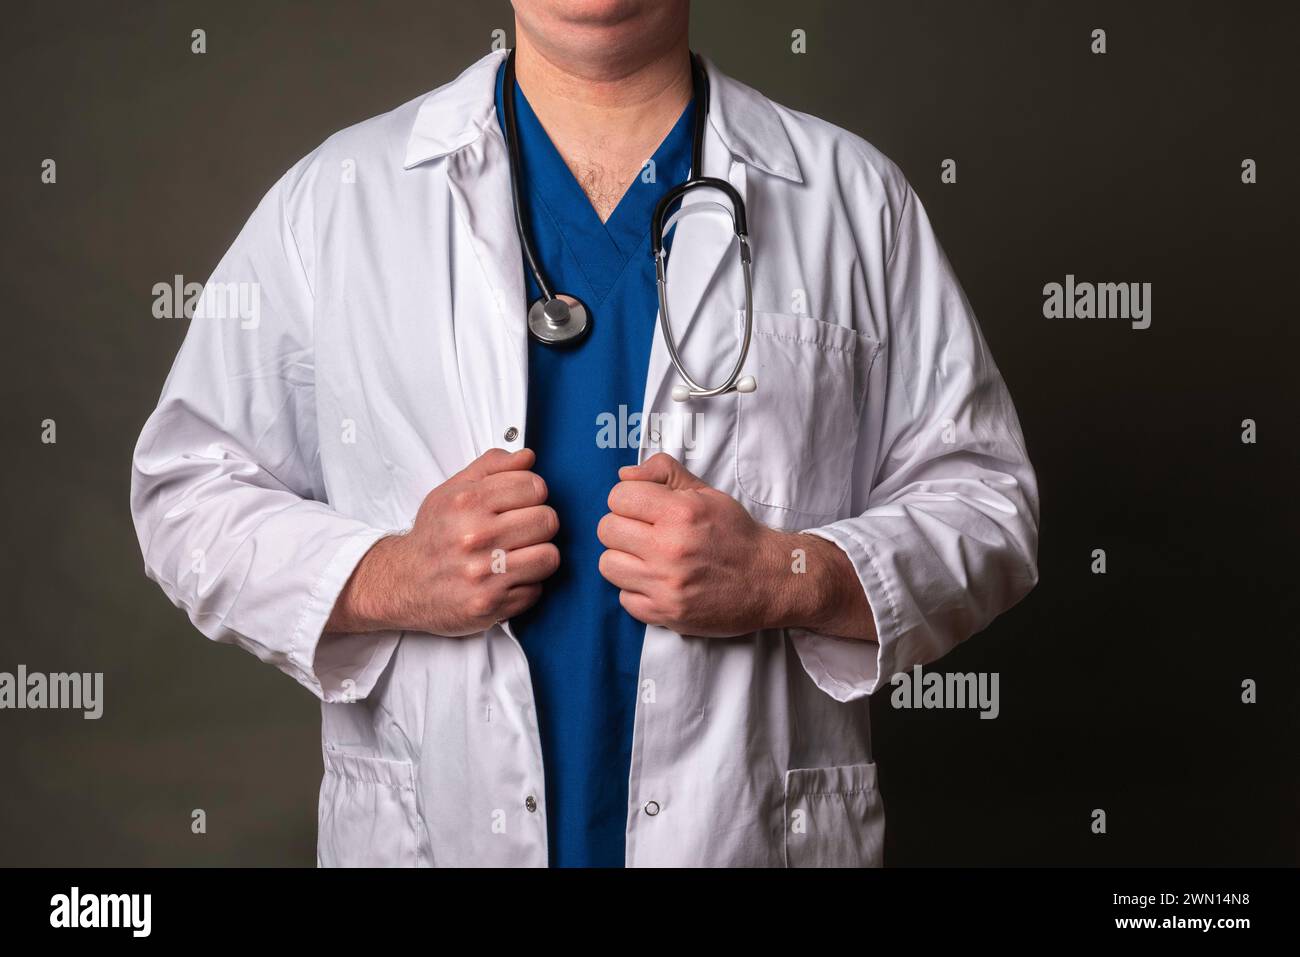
[(652, 808), (530, 802), (511, 434)]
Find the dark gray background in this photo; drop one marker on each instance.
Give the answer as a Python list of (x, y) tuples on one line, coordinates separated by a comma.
[(1118, 691)]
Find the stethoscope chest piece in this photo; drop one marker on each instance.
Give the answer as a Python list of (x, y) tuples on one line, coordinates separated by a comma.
[(560, 320)]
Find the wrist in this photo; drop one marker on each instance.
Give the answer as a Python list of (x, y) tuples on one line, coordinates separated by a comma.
[(368, 600), (817, 588), (797, 589)]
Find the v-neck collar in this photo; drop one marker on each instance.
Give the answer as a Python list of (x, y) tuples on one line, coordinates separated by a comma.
[(601, 250)]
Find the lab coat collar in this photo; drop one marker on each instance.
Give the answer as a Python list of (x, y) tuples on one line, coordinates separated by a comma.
[(748, 123), (456, 114)]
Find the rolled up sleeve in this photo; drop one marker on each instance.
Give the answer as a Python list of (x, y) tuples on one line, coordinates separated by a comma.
[(948, 538)]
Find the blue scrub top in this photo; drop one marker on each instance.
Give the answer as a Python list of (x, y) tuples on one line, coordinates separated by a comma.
[(583, 649)]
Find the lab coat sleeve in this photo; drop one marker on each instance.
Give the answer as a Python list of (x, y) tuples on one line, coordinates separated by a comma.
[(948, 539), (226, 490)]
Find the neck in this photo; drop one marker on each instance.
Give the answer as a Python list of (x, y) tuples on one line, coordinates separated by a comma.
[(603, 82), (605, 106)]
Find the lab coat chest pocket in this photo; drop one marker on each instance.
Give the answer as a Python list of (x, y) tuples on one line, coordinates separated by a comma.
[(368, 815), (796, 435), (834, 817)]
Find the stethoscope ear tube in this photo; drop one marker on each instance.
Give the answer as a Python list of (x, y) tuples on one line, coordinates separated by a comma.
[(512, 150), (738, 223)]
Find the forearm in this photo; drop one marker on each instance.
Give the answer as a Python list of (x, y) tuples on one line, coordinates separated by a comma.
[(815, 586)]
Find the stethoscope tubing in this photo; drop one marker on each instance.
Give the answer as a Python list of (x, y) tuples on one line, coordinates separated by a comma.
[(512, 149), (699, 77)]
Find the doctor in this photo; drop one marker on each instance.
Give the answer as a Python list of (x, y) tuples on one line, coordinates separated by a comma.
[(553, 615)]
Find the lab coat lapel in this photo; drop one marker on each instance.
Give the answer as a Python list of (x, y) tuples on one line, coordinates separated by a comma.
[(457, 122), (491, 336)]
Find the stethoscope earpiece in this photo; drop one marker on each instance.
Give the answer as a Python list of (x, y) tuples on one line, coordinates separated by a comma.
[(745, 384)]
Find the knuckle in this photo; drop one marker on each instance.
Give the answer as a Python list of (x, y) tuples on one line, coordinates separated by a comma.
[(679, 513), (615, 495), (634, 607), (550, 558), (674, 609), (676, 585), (464, 499), (482, 604), (677, 550), (693, 508), (474, 540), (478, 571)]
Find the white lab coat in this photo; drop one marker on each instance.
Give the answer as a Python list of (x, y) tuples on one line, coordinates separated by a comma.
[(388, 350)]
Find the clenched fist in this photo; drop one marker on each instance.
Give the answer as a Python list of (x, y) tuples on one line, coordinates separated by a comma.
[(691, 559), (477, 554)]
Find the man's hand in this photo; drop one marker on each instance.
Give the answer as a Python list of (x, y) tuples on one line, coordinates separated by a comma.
[(477, 554), (690, 558)]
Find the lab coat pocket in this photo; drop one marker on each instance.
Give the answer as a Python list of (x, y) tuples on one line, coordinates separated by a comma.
[(368, 815), (797, 433), (834, 817)]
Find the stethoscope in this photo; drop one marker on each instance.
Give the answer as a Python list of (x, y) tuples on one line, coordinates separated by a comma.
[(558, 319)]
